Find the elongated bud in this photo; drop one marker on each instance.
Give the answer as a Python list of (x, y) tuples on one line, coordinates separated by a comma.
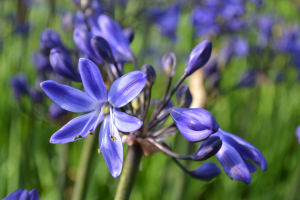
[(184, 97), (129, 34), (199, 57), (169, 64), (195, 124), (208, 148), (82, 39), (49, 39), (206, 171), (19, 86), (151, 75), (102, 49), (63, 65), (41, 61)]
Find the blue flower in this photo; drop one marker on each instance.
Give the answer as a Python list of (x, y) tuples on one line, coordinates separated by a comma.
[(195, 124), (102, 106), (298, 133), (19, 86), (22, 194), (236, 155), (206, 171)]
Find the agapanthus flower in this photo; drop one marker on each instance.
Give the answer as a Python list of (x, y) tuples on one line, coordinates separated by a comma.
[(22, 194), (236, 156), (206, 171), (102, 106), (19, 86), (298, 133)]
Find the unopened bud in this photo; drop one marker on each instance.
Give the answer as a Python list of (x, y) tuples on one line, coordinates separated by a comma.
[(184, 97), (169, 64), (151, 75), (102, 49), (129, 34)]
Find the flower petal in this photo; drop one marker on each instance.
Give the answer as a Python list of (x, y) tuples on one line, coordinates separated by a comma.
[(77, 126), (126, 88), (92, 79), (125, 122), (111, 147), (33, 195), (14, 195), (67, 97), (206, 171), (249, 151), (233, 164)]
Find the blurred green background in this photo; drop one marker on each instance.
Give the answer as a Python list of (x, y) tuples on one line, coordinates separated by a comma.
[(265, 115)]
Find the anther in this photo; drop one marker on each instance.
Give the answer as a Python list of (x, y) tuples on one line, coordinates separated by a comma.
[(112, 137), (99, 151), (77, 137), (91, 133)]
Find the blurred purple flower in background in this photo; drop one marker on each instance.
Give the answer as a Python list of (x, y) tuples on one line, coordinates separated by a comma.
[(23, 194)]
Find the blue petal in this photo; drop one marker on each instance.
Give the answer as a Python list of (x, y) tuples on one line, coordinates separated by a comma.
[(24, 195), (206, 171), (208, 148), (252, 168), (67, 97), (78, 126), (233, 164), (254, 154), (125, 122), (111, 147), (33, 195), (92, 79), (14, 195), (126, 88)]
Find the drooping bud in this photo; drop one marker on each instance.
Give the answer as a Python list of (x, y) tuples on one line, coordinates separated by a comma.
[(49, 39), (151, 75), (199, 57), (206, 171), (184, 97), (208, 148), (63, 65), (82, 39), (169, 64), (195, 124), (129, 34), (19, 86), (102, 48)]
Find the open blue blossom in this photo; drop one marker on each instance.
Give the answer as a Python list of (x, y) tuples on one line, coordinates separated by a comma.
[(102, 106), (206, 171), (236, 155), (22, 194)]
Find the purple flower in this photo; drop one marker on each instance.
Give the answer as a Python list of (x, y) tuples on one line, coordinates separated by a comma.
[(298, 133), (236, 156), (184, 96), (166, 18), (36, 95), (22, 194), (102, 106), (206, 171), (195, 124), (247, 79), (111, 31), (241, 46), (41, 62), (63, 65), (199, 57), (129, 34), (19, 86), (169, 63)]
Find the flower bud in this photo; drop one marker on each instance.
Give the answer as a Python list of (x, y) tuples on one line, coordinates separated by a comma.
[(41, 61), (49, 39), (199, 57), (184, 97), (247, 79), (63, 65), (208, 148), (102, 49), (151, 75), (206, 172), (169, 64), (82, 39), (36, 95), (19, 86), (55, 111), (67, 21), (129, 34), (195, 124)]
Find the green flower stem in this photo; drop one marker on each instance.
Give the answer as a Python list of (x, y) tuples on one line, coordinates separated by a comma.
[(131, 166), (84, 167)]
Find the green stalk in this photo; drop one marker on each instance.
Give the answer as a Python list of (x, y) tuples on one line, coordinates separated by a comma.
[(131, 166), (84, 166)]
